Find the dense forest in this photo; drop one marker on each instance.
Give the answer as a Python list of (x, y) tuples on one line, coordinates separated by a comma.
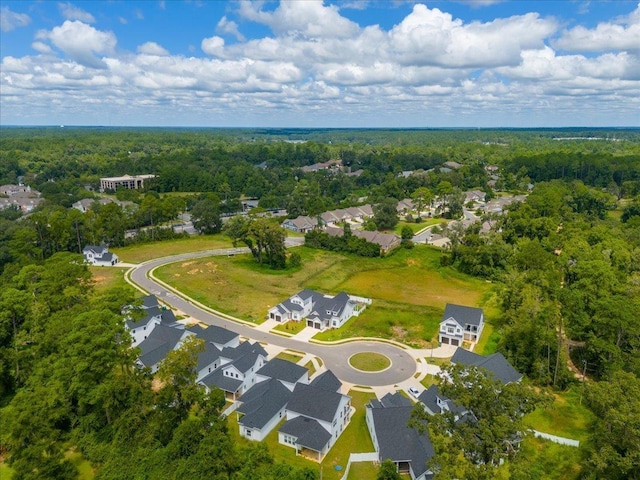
[(565, 264)]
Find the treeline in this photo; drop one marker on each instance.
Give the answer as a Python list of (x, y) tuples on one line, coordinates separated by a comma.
[(67, 373), (346, 243)]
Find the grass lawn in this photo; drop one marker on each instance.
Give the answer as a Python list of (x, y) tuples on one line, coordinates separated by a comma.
[(565, 417), (148, 251), (428, 380), (289, 357), (488, 343), (6, 472), (409, 289), (290, 327), (369, 361), (108, 277), (311, 367), (362, 470)]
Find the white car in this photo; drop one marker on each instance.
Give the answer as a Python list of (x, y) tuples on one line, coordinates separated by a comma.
[(414, 391)]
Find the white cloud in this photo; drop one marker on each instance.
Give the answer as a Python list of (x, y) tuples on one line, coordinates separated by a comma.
[(11, 20), (213, 46), (41, 47), (226, 26), (71, 12), (80, 41), (152, 48), (122, 20), (607, 36)]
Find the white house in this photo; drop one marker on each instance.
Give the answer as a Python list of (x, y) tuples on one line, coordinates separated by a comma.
[(99, 255), (460, 323), (320, 311), (315, 420)]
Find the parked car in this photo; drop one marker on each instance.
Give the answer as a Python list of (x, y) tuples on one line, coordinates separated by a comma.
[(414, 391)]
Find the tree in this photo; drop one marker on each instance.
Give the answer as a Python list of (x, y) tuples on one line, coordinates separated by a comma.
[(388, 471), (407, 233), (205, 215), (264, 238), (422, 197), (492, 428), (385, 214)]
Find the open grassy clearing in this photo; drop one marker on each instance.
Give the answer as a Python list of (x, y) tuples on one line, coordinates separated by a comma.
[(566, 417), (409, 289), (546, 460), (355, 439), (148, 251), (106, 278), (369, 361)]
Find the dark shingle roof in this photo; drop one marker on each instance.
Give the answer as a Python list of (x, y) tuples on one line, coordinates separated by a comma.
[(242, 349), (398, 442), (309, 432), (217, 379), (262, 402), (245, 362), (214, 334), (395, 400), (327, 381), (149, 301), (160, 341), (208, 356), (314, 402), (495, 364), (463, 315), (283, 370), (430, 399)]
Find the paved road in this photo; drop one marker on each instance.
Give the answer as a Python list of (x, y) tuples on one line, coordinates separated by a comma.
[(335, 357)]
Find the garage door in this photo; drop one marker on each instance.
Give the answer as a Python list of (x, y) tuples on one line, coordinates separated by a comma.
[(445, 340), (309, 323), (455, 342)]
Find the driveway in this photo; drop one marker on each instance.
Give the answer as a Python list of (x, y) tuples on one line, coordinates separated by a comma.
[(334, 357)]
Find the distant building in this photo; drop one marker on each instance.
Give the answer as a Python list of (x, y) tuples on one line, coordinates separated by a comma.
[(129, 182), (99, 255)]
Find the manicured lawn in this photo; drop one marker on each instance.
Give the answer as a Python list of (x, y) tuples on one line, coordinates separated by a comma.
[(362, 470), (311, 367), (416, 227), (565, 417), (488, 343), (369, 361), (108, 277), (148, 251), (289, 357), (409, 289), (428, 380), (291, 327)]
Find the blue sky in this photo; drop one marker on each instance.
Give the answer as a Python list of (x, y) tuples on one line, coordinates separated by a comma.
[(351, 63)]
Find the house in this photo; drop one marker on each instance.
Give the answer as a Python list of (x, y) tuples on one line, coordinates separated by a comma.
[(320, 311), (263, 405), (498, 366), (99, 255), (405, 206), (220, 337), (237, 371), (460, 323), (435, 403), (387, 421), (474, 196), (327, 381), (302, 224), (287, 373), (153, 315), (85, 204), (12, 190), (161, 340), (129, 182), (386, 241), (315, 419), (208, 361)]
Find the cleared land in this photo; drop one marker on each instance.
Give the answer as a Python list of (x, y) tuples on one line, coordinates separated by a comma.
[(409, 289), (105, 278), (149, 251)]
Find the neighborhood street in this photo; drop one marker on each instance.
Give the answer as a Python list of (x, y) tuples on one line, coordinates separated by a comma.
[(334, 357)]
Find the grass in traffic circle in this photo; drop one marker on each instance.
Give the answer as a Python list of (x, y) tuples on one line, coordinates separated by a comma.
[(369, 361)]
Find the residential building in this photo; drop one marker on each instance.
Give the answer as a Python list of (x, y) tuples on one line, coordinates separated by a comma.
[(99, 255), (151, 315), (387, 420), (320, 311), (497, 366), (460, 323), (315, 420), (301, 224), (155, 347)]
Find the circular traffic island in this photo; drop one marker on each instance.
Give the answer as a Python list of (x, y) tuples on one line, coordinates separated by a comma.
[(369, 362)]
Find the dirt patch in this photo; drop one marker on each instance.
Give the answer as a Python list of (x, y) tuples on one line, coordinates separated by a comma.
[(156, 384), (186, 264), (193, 271), (412, 262), (399, 333)]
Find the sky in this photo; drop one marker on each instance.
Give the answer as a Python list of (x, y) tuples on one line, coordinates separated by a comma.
[(307, 63)]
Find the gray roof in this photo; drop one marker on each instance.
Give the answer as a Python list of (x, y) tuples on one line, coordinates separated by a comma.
[(261, 402), (395, 400), (498, 366), (245, 362), (430, 399), (308, 431), (463, 315), (327, 381), (398, 442), (160, 341), (150, 313), (334, 305), (208, 356), (149, 301), (217, 379), (314, 402), (245, 347), (95, 248), (214, 334), (284, 370)]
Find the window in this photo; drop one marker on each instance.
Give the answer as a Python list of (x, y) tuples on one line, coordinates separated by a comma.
[(451, 330), (247, 432)]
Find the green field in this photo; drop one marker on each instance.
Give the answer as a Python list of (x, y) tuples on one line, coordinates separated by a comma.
[(149, 251), (108, 277), (409, 289)]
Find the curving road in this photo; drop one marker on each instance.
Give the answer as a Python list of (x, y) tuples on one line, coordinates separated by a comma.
[(334, 357)]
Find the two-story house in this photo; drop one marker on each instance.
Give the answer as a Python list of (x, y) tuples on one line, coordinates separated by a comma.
[(99, 255), (460, 323)]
